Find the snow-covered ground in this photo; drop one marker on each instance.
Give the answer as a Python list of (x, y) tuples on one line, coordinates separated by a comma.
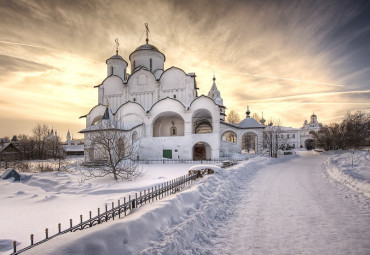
[(351, 169), (42, 200), (260, 206)]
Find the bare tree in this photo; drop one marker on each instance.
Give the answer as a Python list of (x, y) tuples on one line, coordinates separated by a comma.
[(233, 117), (248, 141), (256, 116), (274, 140), (351, 133), (40, 133), (113, 153), (357, 129)]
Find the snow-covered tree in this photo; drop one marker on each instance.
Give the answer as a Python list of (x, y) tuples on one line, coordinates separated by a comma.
[(233, 117)]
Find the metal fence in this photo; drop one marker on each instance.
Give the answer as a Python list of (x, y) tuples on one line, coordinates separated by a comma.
[(180, 161), (118, 211)]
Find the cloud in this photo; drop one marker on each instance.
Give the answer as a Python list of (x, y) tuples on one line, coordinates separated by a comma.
[(13, 64), (281, 57)]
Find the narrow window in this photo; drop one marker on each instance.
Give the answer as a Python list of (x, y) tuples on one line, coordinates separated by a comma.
[(287, 136), (173, 131), (174, 96), (151, 64), (134, 99), (293, 135)]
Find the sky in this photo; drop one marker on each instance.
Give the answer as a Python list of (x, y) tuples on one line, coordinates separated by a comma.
[(283, 58)]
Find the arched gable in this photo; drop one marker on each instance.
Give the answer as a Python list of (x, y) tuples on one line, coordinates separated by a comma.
[(204, 102), (141, 80), (174, 78), (113, 85), (95, 113), (129, 108), (166, 105)]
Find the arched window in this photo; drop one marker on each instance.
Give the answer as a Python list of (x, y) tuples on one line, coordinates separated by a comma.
[(229, 136), (121, 148), (134, 137)]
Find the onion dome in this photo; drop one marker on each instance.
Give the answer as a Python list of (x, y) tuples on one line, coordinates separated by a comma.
[(262, 121), (248, 112), (147, 47)]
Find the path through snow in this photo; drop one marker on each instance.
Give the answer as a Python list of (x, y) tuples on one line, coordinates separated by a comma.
[(288, 208)]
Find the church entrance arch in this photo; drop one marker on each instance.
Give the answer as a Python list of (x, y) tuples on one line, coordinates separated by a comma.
[(168, 124), (250, 142), (309, 144), (201, 151)]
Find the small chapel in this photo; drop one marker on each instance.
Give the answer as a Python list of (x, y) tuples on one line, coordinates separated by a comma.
[(161, 108)]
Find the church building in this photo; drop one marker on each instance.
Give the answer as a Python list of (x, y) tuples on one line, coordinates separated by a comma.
[(161, 108)]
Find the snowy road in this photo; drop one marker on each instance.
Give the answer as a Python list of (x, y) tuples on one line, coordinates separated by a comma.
[(286, 208)]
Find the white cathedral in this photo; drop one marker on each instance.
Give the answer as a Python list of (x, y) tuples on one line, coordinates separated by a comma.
[(163, 108)]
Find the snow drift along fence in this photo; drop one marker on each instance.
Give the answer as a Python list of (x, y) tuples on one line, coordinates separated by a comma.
[(116, 212)]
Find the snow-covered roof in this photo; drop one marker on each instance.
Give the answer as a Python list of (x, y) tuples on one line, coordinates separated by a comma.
[(74, 147), (249, 123)]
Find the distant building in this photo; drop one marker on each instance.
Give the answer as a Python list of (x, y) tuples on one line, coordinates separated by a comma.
[(9, 152), (73, 147), (306, 133)]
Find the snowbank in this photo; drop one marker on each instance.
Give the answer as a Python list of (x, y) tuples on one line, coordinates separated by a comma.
[(357, 176), (42, 200)]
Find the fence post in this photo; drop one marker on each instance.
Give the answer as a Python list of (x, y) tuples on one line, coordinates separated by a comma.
[(70, 224), (135, 203), (145, 196), (156, 195), (31, 239), (90, 218), (46, 233), (81, 220), (152, 194), (129, 202), (113, 210), (119, 209), (124, 205), (149, 195), (59, 227), (106, 212), (14, 246), (141, 198), (98, 215)]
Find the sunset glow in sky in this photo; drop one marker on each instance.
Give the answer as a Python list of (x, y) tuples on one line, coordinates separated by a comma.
[(282, 58)]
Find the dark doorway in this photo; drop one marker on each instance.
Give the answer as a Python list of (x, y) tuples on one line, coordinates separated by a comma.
[(310, 144)]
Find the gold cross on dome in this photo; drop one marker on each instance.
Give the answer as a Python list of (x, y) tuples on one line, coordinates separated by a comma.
[(147, 32), (117, 44)]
